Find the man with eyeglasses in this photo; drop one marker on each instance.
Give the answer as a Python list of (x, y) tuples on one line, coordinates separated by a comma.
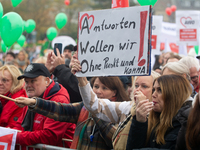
[(193, 65)]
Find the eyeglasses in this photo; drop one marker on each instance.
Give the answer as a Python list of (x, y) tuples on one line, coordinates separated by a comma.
[(4, 80), (194, 78)]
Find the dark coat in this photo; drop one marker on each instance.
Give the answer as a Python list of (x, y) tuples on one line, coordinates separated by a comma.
[(180, 144), (138, 132), (69, 81)]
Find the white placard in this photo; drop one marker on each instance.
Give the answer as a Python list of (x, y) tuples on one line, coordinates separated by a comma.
[(7, 138), (188, 27), (168, 29), (156, 34), (114, 42)]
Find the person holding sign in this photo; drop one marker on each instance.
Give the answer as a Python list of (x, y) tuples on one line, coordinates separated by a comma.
[(161, 128), (110, 111), (91, 132), (10, 87), (114, 111)]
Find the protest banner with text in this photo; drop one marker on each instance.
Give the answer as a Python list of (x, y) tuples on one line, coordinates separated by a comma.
[(188, 27), (115, 42)]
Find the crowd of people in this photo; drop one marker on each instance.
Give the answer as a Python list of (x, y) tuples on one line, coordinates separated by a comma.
[(52, 106)]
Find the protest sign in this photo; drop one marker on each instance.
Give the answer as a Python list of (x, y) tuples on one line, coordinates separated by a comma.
[(114, 42), (7, 138), (168, 36), (156, 34), (188, 27)]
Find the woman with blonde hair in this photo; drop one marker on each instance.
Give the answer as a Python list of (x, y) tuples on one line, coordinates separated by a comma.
[(160, 130), (22, 60), (41, 60), (117, 112), (13, 88)]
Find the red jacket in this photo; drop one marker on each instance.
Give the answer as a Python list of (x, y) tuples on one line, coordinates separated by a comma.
[(46, 130), (11, 112)]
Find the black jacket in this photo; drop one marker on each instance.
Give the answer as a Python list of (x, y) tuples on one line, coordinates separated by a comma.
[(69, 81), (180, 144), (138, 132)]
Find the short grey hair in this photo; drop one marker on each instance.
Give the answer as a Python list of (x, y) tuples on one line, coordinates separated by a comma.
[(178, 68), (190, 62)]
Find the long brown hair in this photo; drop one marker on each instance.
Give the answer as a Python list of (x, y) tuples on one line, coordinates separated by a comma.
[(193, 127), (175, 90), (113, 83)]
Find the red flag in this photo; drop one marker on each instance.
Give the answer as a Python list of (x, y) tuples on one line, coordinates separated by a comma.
[(6, 142), (120, 3)]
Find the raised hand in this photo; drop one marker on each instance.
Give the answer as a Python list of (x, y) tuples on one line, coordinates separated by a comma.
[(53, 61), (75, 64), (48, 63)]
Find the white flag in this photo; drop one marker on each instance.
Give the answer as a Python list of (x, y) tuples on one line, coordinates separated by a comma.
[(7, 138)]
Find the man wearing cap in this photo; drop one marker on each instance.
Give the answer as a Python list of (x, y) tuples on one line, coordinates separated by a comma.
[(35, 127), (67, 52)]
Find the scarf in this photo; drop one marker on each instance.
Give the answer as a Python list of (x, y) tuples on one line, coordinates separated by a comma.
[(28, 121)]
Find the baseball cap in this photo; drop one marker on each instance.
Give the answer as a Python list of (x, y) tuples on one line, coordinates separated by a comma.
[(69, 47), (34, 70)]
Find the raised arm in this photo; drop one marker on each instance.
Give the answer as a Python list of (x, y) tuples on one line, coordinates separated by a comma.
[(56, 65), (103, 108), (57, 111)]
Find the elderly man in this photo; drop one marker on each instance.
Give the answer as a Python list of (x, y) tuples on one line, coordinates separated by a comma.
[(35, 127), (193, 65)]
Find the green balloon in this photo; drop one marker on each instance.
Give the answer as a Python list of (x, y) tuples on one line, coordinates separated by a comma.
[(30, 25), (16, 2), (3, 46), (147, 2), (61, 20), (51, 33), (21, 40), (196, 48), (1, 10), (24, 25), (11, 27)]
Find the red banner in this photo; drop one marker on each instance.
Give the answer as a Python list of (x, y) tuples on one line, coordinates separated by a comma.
[(120, 3)]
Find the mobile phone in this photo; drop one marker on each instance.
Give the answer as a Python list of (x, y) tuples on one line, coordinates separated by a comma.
[(59, 46)]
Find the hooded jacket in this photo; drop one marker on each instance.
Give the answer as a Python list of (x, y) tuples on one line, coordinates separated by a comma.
[(11, 112), (46, 130)]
